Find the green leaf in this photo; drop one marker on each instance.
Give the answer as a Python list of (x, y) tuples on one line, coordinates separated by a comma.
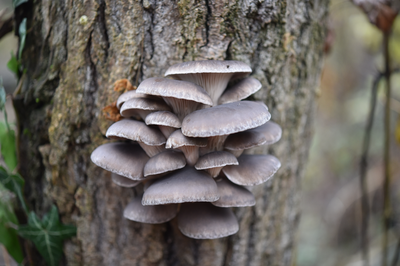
[(14, 183), (13, 65), (8, 150), (2, 95), (18, 2), (22, 37), (8, 235), (47, 235)]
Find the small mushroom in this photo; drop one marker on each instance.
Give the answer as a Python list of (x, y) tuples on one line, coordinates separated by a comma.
[(123, 181), (129, 95), (183, 97), (212, 75), (185, 185), (164, 162), (206, 221), (266, 134), (213, 162), (231, 195), (166, 121), (252, 169), (142, 107), (241, 90), (135, 211), (121, 158), (189, 146), (150, 139)]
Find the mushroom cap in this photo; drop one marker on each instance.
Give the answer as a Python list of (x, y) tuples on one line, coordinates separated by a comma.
[(177, 139), (240, 90), (130, 107), (163, 162), (252, 169), (208, 66), (206, 221), (135, 211), (123, 181), (268, 133), (175, 88), (225, 119), (127, 96), (232, 195), (185, 185), (125, 159), (137, 131), (216, 159), (163, 118)]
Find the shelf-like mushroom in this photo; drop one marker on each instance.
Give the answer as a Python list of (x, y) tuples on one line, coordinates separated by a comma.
[(142, 107), (166, 121), (129, 95), (164, 162), (252, 169), (232, 195), (123, 181), (213, 162), (212, 75), (206, 221), (185, 185), (240, 90)]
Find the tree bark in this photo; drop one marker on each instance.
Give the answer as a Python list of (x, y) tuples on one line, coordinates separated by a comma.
[(71, 63)]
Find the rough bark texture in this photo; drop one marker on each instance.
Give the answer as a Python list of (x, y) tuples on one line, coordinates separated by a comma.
[(71, 65)]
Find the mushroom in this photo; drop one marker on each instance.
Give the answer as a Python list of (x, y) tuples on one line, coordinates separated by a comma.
[(213, 162), (129, 95), (212, 75), (142, 107), (183, 97), (150, 139), (164, 162), (123, 181), (125, 159), (241, 90), (185, 185), (232, 195), (252, 169), (166, 121), (206, 221), (189, 146), (219, 121), (268, 133), (135, 211)]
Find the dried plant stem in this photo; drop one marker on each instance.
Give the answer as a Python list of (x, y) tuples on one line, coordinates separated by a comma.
[(386, 154), (363, 172)]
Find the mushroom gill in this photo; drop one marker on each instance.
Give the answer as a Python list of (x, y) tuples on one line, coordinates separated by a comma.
[(188, 154)]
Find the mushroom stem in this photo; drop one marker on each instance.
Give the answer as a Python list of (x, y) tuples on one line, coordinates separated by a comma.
[(191, 154), (151, 150), (215, 143), (181, 107), (214, 172)]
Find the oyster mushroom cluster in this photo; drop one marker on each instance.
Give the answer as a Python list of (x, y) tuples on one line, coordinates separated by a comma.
[(186, 136)]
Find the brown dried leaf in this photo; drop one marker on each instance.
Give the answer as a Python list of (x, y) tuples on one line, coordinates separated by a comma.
[(379, 13), (123, 85), (111, 112)]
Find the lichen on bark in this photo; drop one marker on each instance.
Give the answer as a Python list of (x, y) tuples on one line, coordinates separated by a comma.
[(71, 65)]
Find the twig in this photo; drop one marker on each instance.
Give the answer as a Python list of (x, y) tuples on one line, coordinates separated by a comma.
[(386, 153), (363, 172), (6, 27)]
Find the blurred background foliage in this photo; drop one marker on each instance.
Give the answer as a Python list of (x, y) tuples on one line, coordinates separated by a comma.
[(329, 232)]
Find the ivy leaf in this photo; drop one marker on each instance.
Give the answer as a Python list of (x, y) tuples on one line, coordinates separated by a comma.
[(13, 64), (14, 183), (18, 2), (2, 95), (47, 235), (8, 235), (7, 142), (22, 37)]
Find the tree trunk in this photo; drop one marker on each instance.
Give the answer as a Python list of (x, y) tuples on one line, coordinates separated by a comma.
[(74, 53)]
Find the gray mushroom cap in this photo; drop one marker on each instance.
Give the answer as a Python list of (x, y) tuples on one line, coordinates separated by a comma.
[(129, 95), (123, 181), (225, 119), (240, 90), (121, 158), (185, 185), (163, 118), (137, 131), (232, 195), (206, 221), (213, 162), (135, 211), (142, 107), (163, 162), (268, 133), (252, 169)]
